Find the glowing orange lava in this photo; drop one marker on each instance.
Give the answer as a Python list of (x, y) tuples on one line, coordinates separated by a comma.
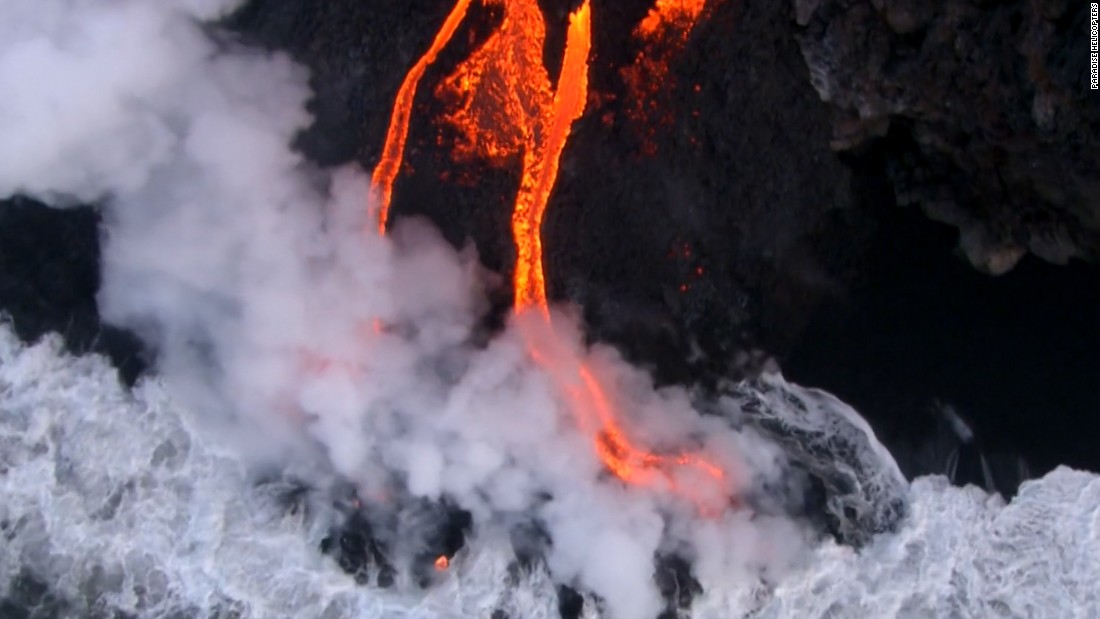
[(541, 171), (504, 106), (502, 92), (507, 107), (385, 173), (442, 563)]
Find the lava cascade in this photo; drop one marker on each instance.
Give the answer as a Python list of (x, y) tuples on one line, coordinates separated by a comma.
[(506, 108)]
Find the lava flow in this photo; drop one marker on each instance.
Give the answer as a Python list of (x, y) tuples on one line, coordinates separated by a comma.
[(506, 107), (541, 171), (393, 151)]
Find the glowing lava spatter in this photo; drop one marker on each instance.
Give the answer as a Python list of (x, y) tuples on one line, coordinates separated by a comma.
[(663, 35), (385, 173)]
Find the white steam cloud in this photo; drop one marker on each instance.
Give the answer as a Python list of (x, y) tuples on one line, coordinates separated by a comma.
[(246, 267)]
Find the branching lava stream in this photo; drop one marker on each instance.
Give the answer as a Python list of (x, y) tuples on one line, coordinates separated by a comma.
[(506, 107)]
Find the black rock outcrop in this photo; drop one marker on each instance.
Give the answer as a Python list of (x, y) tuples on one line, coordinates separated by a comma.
[(993, 126)]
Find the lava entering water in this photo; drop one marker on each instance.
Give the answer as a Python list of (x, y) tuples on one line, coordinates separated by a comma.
[(507, 107)]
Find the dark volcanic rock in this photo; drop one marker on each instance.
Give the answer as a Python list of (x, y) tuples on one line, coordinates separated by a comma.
[(995, 129), (369, 534), (726, 238), (358, 552), (49, 276), (742, 225), (570, 603)]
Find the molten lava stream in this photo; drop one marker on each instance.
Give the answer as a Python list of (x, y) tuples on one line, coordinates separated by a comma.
[(590, 404), (507, 108), (539, 178), (385, 173)]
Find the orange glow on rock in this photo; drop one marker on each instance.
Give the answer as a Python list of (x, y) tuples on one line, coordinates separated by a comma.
[(663, 34), (666, 14), (502, 91), (385, 173), (541, 171)]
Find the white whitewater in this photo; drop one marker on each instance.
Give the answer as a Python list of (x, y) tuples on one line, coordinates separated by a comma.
[(118, 501)]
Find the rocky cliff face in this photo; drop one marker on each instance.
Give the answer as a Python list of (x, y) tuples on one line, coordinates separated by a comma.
[(986, 107)]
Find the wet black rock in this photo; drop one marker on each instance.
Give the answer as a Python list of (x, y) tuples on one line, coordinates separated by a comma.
[(369, 535), (49, 277), (443, 534), (995, 129), (289, 495), (570, 602), (677, 585), (530, 543), (357, 551)]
